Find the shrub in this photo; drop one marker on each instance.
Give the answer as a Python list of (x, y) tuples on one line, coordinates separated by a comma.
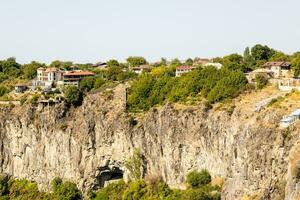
[(135, 165), (3, 91), (73, 95), (261, 81), (136, 190), (196, 179), (112, 191), (34, 98), (98, 82), (87, 83), (65, 190)]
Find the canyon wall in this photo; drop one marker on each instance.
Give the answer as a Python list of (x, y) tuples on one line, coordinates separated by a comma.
[(89, 144)]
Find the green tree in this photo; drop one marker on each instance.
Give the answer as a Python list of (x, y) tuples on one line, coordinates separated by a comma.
[(113, 63), (196, 179), (279, 56), (87, 83), (3, 91), (134, 61), (65, 190), (67, 65), (248, 59), (296, 65), (227, 87), (10, 67), (260, 52), (175, 62), (189, 62), (99, 82), (73, 95), (234, 62), (29, 70)]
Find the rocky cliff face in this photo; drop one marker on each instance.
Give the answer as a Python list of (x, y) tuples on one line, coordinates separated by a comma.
[(89, 144)]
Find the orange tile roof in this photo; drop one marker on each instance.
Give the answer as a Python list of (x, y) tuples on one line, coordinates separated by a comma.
[(185, 67)]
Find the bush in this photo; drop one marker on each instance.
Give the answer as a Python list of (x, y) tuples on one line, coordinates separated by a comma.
[(209, 82), (261, 81), (87, 83), (135, 165), (66, 190), (99, 82), (196, 179), (3, 91), (73, 95)]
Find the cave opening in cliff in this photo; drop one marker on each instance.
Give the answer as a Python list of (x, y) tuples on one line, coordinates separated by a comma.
[(108, 175)]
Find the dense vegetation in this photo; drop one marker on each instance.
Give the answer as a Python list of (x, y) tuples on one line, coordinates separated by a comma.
[(160, 85), (210, 83), (153, 188), (14, 189)]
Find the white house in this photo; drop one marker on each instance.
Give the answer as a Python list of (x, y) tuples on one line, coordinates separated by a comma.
[(183, 69)]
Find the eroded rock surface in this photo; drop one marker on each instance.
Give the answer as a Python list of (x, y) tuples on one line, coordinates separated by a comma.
[(90, 142)]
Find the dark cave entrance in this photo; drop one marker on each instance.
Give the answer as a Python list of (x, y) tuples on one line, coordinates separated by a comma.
[(107, 175)]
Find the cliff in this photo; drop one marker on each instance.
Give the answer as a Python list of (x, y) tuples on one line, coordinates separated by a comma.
[(89, 144)]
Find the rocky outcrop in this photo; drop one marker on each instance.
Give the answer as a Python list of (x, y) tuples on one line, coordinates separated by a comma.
[(89, 144)]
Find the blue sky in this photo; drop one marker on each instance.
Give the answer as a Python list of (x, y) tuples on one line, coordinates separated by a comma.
[(97, 30)]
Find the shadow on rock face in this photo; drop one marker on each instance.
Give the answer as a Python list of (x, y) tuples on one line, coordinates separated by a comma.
[(107, 175)]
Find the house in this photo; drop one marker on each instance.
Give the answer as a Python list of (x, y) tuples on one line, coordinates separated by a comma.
[(142, 68), (46, 77), (202, 61), (20, 88), (100, 65), (216, 65), (74, 77), (290, 119), (251, 77), (279, 69), (183, 69)]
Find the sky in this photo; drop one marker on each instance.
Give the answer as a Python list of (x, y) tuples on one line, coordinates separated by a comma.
[(97, 30)]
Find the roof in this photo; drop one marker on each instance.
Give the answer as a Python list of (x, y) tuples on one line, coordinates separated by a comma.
[(141, 67), (52, 69), (79, 73), (279, 64), (185, 67)]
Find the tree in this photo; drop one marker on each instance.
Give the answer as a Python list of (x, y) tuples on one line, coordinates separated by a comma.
[(73, 95), (134, 61), (296, 65), (248, 59), (196, 179), (260, 52), (3, 90), (87, 83), (234, 62), (189, 62), (279, 56), (11, 68), (176, 62), (112, 63), (65, 190), (61, 64), (29, 70), (99, 82)]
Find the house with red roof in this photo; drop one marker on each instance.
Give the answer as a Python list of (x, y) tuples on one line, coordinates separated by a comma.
[(74, 77), (52, 77), (183, 69)]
